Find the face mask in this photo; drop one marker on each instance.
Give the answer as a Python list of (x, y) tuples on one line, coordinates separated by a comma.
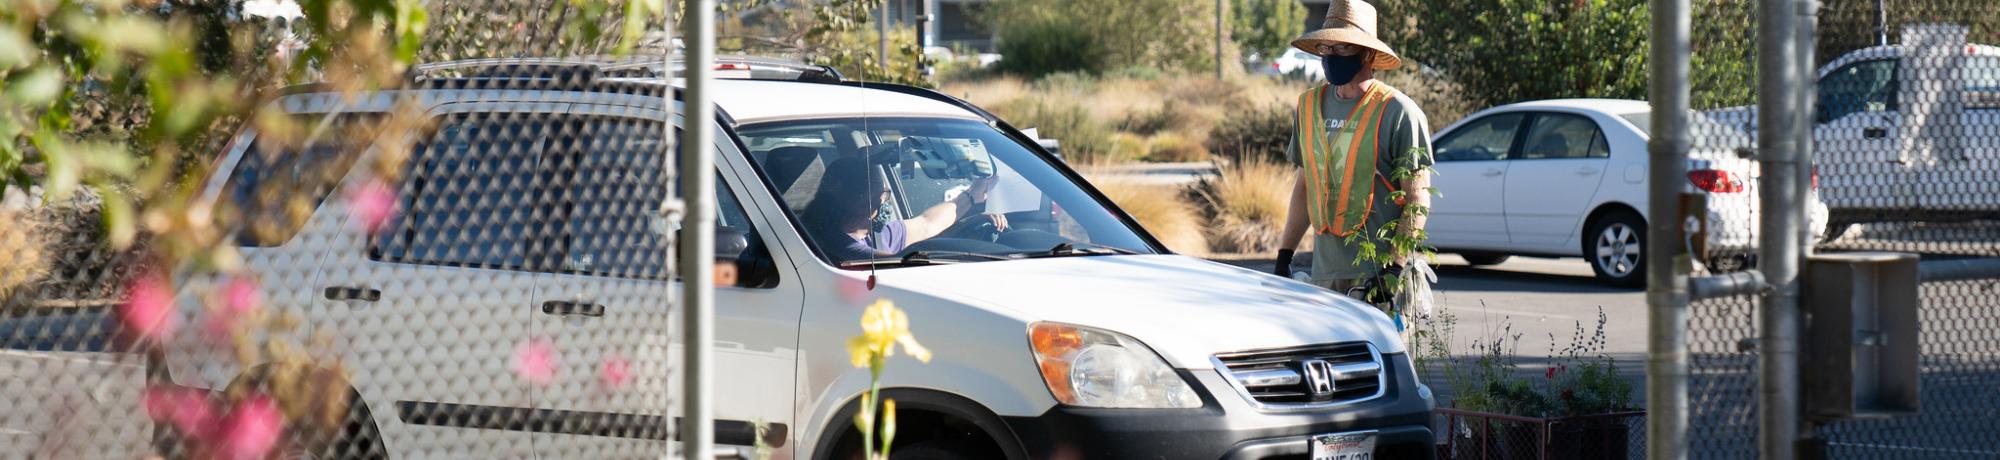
[(1340, 70)]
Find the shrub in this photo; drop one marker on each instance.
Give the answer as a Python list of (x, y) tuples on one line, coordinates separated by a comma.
[(1171, 115), (1160, 209), (1038, 48), (1205, 91), (1255, 133), (1174, 147), (1170, 35), (1247, 203)]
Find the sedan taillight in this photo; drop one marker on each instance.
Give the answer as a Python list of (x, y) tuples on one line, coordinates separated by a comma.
[(1715, 181)]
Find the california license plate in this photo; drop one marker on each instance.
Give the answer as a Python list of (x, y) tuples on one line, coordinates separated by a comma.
[(1344, 446)]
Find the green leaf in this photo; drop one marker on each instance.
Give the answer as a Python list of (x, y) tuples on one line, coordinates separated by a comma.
[(38, 87), (118, 217)]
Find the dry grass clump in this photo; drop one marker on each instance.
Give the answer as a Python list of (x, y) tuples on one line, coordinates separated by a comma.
[(22, 241), (1171, 146), (988, 92), (1161, 209), (1247, 204)]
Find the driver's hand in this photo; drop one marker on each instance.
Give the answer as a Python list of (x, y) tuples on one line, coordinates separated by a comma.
[(999, 222)]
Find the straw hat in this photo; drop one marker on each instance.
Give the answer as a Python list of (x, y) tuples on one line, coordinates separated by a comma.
[(1349, 21)]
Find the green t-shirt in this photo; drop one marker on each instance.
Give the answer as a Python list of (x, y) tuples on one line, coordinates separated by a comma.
[(1404, 141)]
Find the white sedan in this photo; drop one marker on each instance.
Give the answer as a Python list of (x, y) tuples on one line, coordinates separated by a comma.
[(1567, 178)]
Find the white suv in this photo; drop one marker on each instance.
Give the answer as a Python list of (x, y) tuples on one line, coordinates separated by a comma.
[(528, 231)]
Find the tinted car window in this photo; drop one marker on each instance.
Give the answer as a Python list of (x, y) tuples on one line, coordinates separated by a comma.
[(612, 182), (1858, 87), (1560, 135), (467, 197), (1487, 138), (274, 187)]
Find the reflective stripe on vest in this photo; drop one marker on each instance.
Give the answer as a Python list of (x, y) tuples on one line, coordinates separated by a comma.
[(1339, 165)]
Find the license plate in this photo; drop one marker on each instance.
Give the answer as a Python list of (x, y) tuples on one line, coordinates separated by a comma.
[(1344, 446)]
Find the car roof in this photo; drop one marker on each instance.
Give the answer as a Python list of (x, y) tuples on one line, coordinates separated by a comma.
[(1610, 106), (752, 101)]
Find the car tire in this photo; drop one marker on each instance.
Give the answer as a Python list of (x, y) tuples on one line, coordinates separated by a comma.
[(1482, 259), (1615, 246)]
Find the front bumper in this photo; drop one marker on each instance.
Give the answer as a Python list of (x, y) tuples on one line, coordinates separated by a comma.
[(1227, 427)]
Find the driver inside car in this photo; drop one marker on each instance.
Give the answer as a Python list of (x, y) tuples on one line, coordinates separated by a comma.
[(844, 211)]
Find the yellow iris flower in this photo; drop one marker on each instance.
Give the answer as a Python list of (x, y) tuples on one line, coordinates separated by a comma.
[(882, 327)]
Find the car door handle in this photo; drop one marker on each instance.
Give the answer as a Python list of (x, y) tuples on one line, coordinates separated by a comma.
[(1586, 171), (364, 294), (564, 308), (1493, 172), (1875, 133)]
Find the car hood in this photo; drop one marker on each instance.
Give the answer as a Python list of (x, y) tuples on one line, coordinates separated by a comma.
[(1186, 309)]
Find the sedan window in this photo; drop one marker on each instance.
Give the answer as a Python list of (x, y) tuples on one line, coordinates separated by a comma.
[(1485, 139), (1563, 136)]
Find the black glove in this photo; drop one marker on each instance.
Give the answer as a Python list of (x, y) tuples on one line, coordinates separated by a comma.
[(1284, 268)]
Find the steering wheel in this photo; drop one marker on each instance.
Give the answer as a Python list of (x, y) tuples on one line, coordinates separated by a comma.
[(978, 227)]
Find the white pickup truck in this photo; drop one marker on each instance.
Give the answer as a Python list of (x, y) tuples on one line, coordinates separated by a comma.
[(1907, 132)]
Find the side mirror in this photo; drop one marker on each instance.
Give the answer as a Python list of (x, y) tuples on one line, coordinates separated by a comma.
[(742, 262)]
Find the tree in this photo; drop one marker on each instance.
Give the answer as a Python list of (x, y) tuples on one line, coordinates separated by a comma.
[(1266, 27), (1512, 50), (1170, 35)]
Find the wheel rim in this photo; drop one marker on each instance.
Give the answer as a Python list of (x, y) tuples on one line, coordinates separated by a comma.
[(1618, 250)]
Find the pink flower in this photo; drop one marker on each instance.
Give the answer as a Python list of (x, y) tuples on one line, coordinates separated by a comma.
[(241, 295), (188, 409), (370, 204), (616, 372), (252, 429), (535, 360), (149, 307)]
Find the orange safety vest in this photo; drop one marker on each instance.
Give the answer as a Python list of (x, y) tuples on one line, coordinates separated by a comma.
[(1338, 165)]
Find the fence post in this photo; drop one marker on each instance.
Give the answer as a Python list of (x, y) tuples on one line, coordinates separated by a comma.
[(1780, 222), (1666, 280), (697, 171)]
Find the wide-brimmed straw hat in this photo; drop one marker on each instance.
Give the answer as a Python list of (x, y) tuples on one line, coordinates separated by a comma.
[(1349, 21)]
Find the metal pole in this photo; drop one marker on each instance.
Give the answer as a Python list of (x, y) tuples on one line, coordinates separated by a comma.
[(1667, 265), (1804, 95), (697, 171), (1782, 216), (1882, 22)]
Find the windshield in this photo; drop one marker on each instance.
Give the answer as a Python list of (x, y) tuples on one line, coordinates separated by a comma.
[(943, 190)]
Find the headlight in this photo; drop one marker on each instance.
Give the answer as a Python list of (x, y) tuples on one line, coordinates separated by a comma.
[(1098, 368)]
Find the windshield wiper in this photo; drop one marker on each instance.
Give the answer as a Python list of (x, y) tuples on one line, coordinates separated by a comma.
[(915, 258), (1085, 249)]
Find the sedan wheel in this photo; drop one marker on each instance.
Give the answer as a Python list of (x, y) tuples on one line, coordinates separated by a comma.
[(1617, 249)]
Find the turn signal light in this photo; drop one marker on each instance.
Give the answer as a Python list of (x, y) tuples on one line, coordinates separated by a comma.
[(1715, 181)]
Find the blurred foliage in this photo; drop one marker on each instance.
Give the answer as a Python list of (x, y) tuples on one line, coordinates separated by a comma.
[(1171, 35), (1266, 27), (838, 33), (1254, 133)]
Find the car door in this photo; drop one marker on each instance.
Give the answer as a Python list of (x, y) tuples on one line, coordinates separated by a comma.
[(1857, 124), (430, 306), (1553, 178), (1972, 160), (604, 319), (1471, 176)]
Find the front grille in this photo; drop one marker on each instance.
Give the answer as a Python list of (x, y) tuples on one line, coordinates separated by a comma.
[(1302, 377)]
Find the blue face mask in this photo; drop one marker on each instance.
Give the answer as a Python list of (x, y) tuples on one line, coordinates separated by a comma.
[(1340, 70)]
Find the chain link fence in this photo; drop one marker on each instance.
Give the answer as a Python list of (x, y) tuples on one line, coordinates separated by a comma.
[(481, 252), (1905, 158)]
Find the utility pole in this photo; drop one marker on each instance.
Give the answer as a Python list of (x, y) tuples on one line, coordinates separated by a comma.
[(1882, 22), (882, 33), (1221, 17), (1667, 266), (697, 175)]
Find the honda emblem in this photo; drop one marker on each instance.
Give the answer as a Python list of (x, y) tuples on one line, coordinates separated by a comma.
[(1319, 377)]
